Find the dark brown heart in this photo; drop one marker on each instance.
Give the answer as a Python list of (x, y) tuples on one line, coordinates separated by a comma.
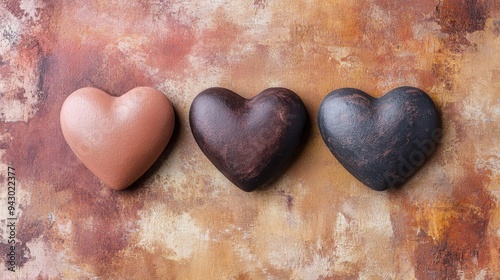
[(250, 141), (381, 141)]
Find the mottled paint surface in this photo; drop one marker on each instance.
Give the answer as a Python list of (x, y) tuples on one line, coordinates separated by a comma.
[(183, 219)]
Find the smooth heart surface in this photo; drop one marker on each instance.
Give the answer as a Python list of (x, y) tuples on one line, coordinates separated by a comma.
[(250, 141), (117, 138), (384, 141)]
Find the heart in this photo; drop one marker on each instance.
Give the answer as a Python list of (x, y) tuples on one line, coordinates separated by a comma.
[(381, 141), (117, 138), (250, 141)]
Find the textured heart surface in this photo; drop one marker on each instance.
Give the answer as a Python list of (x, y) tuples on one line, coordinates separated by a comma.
[(250, 141), (117, 138), (381, 141)]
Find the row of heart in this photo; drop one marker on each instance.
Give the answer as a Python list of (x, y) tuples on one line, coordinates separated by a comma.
[(382, 142)]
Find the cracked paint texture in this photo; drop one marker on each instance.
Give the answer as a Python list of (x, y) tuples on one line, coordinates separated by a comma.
[(183, 219)]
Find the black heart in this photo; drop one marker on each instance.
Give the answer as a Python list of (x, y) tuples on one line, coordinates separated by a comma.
[(381, 141), (250, 141)]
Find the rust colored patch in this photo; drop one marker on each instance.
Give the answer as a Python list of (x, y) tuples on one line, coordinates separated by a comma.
[(464, 246), (459, 243), (215, 50), (457, 18)]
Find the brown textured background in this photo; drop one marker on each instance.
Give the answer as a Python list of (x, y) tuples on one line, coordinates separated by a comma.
[(184, 219)]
